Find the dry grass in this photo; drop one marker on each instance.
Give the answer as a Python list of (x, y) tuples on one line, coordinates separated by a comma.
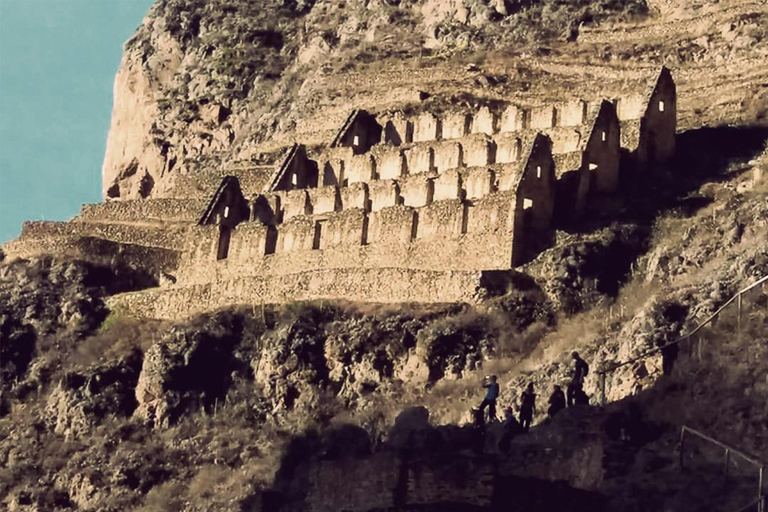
[(118, 336)]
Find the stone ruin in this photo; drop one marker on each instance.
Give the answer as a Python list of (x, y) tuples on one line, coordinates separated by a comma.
[(396, 208)]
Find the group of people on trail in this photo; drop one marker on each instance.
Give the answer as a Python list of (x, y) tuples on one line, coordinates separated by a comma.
[(557, 400)]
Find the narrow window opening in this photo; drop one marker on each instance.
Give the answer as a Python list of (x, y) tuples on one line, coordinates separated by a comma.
[(318, 235), (661, 106), (527, 203), (415, 226), (604, 137), (226, 212), (430, 191), (356, 141), (222, 250), (364, 237), (294, 179), (465, 219), (270, 245), (538, 171)]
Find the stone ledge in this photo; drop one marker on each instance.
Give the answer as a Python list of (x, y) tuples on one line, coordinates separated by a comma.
[(382, 285)]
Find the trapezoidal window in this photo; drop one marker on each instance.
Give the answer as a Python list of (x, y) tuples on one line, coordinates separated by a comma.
[(661, 106), (294, 179), (222, 250), (527, 203)]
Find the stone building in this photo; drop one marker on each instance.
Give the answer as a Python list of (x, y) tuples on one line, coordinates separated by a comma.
[(649, 120), (397, 208), (489, 216)]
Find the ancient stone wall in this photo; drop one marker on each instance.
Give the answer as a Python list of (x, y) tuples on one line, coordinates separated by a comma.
[(572, 113), (78, 243), (456, 125), (357, 284), (387, 481), (390, 162), (143, 210), (385, 162), (426, 127), (601, 152), (630, 107), (448, 155), (324, 199), (383, 194), (484, 121), (417, 190), (534, 203), (151, 236), (293, 203), (420, 159), (660, 121), (448, 185), (477, 182), (508, 148), (460, 192), (449, 234), (542, 117)]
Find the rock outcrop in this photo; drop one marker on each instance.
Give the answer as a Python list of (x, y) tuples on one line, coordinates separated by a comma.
[(225, 83)]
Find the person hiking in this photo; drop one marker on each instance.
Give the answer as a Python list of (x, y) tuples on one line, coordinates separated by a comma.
[(668, 357), (478, 430), (527, 406), (556, 401), (511, 428), (489, 382), (580, 371)]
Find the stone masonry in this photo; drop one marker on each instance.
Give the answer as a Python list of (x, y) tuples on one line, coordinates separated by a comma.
[(396, 208)]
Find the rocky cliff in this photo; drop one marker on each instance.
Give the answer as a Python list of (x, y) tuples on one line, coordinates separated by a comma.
[(273, 408), (228, 82), (343, 406)]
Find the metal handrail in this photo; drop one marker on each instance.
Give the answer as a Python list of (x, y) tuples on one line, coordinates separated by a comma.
[(679, 340), (749, 458), (760, 501)]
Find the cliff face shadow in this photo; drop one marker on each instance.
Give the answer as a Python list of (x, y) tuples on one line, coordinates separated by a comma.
[(419, 467), (702, 155), (706, 153)]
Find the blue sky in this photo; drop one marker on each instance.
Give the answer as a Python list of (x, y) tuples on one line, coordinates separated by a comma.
[(58, 60)]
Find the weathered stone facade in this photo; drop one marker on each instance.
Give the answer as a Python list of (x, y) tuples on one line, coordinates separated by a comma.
[(395, 208)]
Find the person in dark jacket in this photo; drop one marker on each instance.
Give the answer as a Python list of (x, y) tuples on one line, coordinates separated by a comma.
[(580, 371), (556, 401), (511, 429), (668, 357), (492, 393), (527, 406)]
